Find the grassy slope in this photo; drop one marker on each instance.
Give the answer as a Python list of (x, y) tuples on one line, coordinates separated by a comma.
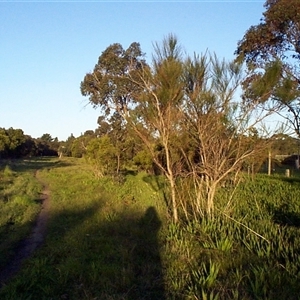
[(112, 241)]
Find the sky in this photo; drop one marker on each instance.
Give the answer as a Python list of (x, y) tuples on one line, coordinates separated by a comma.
[(47, 47)]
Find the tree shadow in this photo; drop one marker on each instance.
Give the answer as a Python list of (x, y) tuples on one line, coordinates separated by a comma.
[(116, 258), (33, 164), (147, 262), (283, 216), (158, 184), (24, 249)]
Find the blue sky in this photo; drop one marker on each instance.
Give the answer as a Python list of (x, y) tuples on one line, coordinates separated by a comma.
[(47, 48)]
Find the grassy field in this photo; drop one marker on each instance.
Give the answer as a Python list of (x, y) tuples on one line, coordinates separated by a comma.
[(19, 205), (112, 239)]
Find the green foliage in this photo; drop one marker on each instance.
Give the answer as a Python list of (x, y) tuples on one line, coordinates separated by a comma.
[(102, 155), (143, 161), (10, 140), (271, 51), (46, 137), (15, 144), (285, 145), (108, 86), (76, 148)]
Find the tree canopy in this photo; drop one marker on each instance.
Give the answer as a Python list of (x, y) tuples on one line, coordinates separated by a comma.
[(15, 144), (108, 86), (271, 51)]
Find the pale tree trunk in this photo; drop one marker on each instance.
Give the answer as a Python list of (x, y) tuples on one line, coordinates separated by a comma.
[(118, 163), (211, 191), (173, 198), (269, 163), (171, 178)]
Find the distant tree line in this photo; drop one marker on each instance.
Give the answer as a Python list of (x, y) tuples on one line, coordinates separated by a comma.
[(15, 144)]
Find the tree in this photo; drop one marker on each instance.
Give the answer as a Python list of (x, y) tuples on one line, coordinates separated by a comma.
[(216, 128), (48, 146), (156, 117), (143, 160), (285, 145), (186, 115), (108, 86), (4, 140), (46, 137), (65, 148), (11, 141), (116, 128), (28, 148), (101, 154), (123, 83), (271, 51)]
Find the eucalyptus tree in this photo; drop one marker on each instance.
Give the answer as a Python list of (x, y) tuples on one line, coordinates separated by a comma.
[(271, 51), (108, 86)]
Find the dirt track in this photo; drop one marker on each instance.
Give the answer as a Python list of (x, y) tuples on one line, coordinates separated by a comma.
[(34, 240)]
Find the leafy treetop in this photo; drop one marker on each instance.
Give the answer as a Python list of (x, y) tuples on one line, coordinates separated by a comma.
[(271, 51)]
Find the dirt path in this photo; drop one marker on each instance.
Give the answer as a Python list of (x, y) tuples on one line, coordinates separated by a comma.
[(34, 240)]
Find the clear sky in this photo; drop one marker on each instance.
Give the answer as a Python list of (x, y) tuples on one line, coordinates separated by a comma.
[(47, 47)]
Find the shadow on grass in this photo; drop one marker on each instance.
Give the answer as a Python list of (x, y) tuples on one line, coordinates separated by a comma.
[(130, 264), (158, 184), (283, 216), (147, 262), (293, 180), (82, 258), (33, 164)]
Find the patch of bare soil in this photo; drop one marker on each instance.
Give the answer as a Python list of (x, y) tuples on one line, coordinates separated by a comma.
[(33, 241)]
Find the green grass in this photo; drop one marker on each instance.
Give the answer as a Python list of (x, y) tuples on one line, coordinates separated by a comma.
[(113, 240), (250, 251), (19, 192), (102, 240)]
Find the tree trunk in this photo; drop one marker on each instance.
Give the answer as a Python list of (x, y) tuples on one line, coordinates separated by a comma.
[(173, 197), (210, 200), (118, 163), (269, 164), (171, 179)]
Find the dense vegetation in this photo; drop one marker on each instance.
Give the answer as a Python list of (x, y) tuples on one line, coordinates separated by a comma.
[(15, 144), (167, 199), (113, 240)]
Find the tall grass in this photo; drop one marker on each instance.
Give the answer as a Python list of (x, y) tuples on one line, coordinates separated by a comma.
[(113, 240), (249, 251)]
